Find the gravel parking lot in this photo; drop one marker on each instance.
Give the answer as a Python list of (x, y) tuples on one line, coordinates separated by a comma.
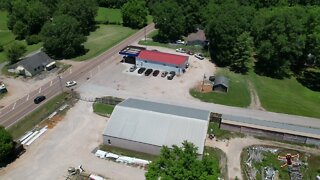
[(69, 144), (115, 79)]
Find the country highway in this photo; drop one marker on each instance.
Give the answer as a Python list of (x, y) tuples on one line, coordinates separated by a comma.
[(12, 113)]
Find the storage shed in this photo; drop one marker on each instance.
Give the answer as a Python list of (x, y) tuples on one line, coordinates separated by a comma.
[(221, 84), (146, 126), (162, 61)]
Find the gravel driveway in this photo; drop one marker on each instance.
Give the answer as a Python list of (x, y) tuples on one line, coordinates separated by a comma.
[(69, 144)]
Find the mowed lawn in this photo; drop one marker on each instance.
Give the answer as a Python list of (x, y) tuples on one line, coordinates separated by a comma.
[(104, 38), (108, 15), (7, 37), (286, 96), (238, 94)]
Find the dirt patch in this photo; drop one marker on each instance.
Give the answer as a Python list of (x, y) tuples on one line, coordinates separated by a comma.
[(255, 101), (205, 88)]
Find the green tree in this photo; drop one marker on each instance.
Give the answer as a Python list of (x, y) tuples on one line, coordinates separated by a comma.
[(134, 14), (283, 31), (61, 37), (181, 163), (27, 17), (84, 11), (6, 144), (169, 19), (226, 22), (242, 53), (15, 51)]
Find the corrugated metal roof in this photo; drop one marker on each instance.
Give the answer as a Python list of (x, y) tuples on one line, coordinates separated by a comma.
[(156, 128), (265, 123), (221, 80), (167, 58), (166, 108)]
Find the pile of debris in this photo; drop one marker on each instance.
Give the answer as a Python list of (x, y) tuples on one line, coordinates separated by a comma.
[(255, 154)]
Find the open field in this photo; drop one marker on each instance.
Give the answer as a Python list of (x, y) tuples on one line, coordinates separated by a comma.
[(104, 38), (219, 159), (30, 121), (286, 96), (102, 109), (237, 95), (108, 15)]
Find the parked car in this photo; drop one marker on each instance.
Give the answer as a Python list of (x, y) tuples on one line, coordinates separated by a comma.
[(71, 83), (187, 65), (180, 50), (39, 99), (180, 42), (190, 53), (212, 78), (199, 56), (164, 74), (133, 68), (141, 70), (155, 73), (148, 72), (171, 75)]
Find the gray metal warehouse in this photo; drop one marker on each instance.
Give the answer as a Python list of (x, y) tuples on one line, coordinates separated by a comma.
[(146, 126)]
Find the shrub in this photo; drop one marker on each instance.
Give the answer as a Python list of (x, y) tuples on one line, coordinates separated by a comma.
[(1, 48), (33, 39)]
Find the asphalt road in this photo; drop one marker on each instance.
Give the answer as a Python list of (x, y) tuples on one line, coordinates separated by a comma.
[(23, 106)]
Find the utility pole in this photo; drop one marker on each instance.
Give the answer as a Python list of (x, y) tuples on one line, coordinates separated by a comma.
[(61, 88), (204, 76)]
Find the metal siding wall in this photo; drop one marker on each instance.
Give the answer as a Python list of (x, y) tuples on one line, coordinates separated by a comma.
[(131, 145), (294, 138), (313, 141), (158, 66), (229, 127)]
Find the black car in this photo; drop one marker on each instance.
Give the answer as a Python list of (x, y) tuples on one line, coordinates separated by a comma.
[(164, 73), (39, 99), (155, 73), (141, 70), (148, 72), (212, 78), (172, 73)]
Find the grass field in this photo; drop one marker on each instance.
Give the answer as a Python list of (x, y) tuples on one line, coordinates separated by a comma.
[(108, 15), (216, 155), (102, 109), (30, 121), (238, 94), (286, 96), (104, 38), (220, 133)]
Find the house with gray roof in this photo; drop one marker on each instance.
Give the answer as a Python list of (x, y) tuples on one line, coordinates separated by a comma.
[(197, 38), (221, 83), (32, 64), (146, 126)]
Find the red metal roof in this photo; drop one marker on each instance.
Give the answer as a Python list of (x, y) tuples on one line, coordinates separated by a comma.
[(162, 57)]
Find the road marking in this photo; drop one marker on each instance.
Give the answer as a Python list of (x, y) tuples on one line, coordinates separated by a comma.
[(51, 83), (14, 105), (70, 71), (40, 90), (28, 97)]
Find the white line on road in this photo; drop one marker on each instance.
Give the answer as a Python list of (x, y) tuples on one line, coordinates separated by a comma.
[(51, 83), (70, 71), (40, 90), (14, 105), (28, 97)]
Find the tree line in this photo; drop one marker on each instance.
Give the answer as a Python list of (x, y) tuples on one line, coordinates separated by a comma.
[(278, 38), (60, 24)]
